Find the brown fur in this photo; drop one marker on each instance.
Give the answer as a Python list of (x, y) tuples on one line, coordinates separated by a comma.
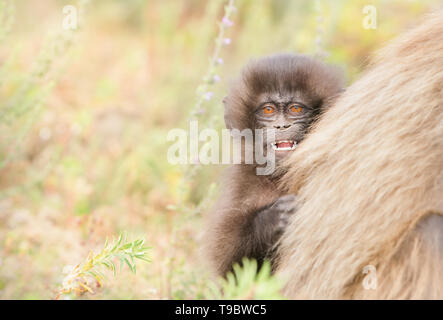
[(244, 193), (232, 232), (315, 82), (369, 180)]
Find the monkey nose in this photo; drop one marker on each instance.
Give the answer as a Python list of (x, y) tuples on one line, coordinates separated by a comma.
[(281, 127)]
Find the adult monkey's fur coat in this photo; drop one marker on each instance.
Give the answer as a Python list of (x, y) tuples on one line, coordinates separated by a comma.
[(369, 180)]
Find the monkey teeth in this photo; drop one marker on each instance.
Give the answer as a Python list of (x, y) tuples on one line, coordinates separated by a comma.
[(284, 145)]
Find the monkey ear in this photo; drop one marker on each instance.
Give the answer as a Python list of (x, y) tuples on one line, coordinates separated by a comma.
[(228, 121)]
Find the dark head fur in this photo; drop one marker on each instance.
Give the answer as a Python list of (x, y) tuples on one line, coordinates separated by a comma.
[(280, 76)]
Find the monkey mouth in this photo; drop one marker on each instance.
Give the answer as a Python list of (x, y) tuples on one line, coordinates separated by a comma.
[(284, 145)]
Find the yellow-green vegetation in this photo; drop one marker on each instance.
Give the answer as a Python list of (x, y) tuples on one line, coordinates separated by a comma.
[(247, 282), (84, 116), (80, 278)]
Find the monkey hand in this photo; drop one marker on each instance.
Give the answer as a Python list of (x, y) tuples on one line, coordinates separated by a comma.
[(273, 219), (284, 207)]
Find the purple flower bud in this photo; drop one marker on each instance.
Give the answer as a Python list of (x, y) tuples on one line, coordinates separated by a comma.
[(208, 95), (226, 41), (219, 61), (216, 78), (227, 22)]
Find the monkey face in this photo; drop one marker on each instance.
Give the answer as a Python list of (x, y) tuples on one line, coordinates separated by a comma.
[(284, 93), (288, 117)]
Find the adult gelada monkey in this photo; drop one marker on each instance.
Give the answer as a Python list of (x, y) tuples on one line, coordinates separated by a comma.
[(369, 182), (284, 93)]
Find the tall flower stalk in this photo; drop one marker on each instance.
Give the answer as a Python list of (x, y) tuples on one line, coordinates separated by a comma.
[(320, 30), (211, 77), (204, 93)]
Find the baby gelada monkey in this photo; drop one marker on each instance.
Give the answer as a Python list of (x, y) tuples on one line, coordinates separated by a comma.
[(284, 93)]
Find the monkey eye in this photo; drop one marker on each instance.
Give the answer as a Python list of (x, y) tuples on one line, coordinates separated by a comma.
[(268, 110), (295, 108)]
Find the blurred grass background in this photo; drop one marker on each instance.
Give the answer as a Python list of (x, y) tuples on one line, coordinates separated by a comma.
[(84, 118)]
